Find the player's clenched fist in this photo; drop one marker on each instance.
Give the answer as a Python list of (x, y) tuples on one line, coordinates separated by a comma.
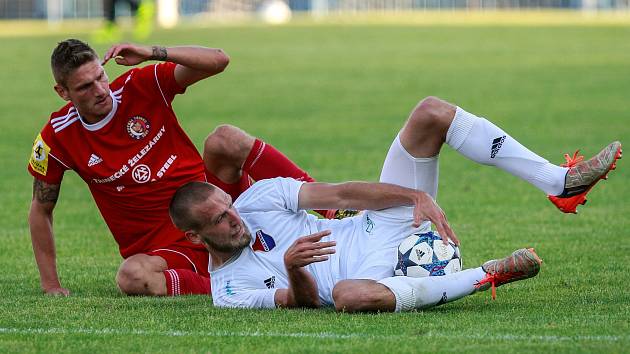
[(308, 249)]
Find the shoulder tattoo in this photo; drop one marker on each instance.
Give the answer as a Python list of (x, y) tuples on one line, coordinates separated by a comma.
[(44, 192)]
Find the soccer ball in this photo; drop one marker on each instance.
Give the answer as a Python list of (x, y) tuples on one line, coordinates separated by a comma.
[(424, 255)]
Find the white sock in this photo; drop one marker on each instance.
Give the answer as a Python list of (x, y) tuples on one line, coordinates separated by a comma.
[(418, 293), (483, 142)]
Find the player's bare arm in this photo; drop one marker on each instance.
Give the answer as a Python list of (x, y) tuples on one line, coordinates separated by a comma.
[(40, 221), (376, 196), (195, 63), (302, 291)]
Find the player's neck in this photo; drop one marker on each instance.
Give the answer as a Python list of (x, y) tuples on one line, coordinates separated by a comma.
[(95, 118), (92, 119), (218, 259)]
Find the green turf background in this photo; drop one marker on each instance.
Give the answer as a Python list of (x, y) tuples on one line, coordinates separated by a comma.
[(333, 97)]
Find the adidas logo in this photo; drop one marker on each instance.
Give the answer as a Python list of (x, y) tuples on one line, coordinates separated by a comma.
[(496, 146), (271, 282), (94, 160)]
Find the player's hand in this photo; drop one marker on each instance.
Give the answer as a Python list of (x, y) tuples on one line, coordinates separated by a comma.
[(427, 209), (308, 249), (57, 291), (128, 54)]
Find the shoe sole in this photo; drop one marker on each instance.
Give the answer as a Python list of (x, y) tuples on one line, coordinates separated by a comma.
[(569, 205)]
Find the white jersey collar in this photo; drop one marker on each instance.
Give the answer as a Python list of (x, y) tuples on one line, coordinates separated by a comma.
[(232, 259), (103, 122)]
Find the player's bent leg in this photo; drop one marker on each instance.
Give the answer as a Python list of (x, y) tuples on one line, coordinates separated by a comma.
[(420, 293), (482, 141), (225, 151), (142, 274), (425, 130), (232, 156), (362, 295)]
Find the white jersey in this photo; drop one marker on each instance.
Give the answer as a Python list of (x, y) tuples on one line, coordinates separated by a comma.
[(366, 246)]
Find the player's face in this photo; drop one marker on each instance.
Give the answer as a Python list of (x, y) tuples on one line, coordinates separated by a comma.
[(222, 230), (87, 87)]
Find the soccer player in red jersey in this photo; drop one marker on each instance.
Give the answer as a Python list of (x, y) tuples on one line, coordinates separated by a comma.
[(123, 139)]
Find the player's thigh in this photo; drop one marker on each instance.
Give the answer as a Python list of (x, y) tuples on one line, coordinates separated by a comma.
[(374, 265), (376, 255)]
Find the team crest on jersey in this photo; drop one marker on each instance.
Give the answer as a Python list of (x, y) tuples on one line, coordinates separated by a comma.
[(138, 127), (264, 242), (39, 157)]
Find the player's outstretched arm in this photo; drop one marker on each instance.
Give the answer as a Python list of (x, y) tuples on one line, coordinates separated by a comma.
[(375, 196), (302, 291), (195, 63), (40, 220)]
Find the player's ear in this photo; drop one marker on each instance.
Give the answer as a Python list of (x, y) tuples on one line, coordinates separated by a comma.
[(62, 92), (193, 237)]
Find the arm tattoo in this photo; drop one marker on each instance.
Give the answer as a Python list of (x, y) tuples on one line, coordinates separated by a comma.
[(44, 192), (159, 53)]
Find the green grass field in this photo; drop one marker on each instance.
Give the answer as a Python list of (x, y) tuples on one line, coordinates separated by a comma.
[(333, 97)]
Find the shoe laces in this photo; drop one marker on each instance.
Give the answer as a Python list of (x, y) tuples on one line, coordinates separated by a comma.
[(572, 160), (495, 278)]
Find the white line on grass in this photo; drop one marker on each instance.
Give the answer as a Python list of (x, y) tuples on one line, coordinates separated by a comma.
[(316, 335)]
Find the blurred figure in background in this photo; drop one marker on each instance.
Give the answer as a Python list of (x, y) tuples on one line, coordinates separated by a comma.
[(142, 12)]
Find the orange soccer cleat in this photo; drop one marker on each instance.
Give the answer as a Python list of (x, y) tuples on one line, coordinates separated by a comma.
[(521, 264), (583, 175)]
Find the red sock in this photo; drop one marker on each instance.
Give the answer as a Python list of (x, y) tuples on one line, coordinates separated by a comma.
[(185, 282), (265, 161)]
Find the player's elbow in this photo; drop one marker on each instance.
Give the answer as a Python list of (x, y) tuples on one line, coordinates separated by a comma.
[(222, 60)]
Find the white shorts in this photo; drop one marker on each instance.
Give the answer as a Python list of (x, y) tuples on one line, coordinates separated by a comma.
[(385, 229)]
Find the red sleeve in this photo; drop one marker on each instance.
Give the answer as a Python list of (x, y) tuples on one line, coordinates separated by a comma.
[(162, 75), (43, 164)]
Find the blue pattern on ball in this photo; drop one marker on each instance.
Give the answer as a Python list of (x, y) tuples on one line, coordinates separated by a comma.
[(436, 268)]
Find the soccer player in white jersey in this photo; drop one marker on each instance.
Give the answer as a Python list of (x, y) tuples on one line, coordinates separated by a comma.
[(266, 251)]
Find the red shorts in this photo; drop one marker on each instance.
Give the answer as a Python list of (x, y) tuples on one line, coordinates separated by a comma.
[(178, 257)]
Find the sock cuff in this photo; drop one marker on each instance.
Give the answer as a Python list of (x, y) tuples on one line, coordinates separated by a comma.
[(460, 128), (254, 154), (550, 178), (405, 297), (172, 282)]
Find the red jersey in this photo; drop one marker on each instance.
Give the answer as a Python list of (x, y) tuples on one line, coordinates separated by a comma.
[(133, 160)]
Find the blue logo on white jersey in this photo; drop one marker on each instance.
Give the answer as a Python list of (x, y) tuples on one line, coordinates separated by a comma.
[(228, 288)]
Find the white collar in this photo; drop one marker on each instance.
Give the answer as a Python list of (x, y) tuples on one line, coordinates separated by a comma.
[(103, 122)]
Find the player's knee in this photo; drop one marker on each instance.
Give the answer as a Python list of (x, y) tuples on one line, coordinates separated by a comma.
[(130, 277), (351, 298), (228, 141), (432, 113), (341, 297)]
